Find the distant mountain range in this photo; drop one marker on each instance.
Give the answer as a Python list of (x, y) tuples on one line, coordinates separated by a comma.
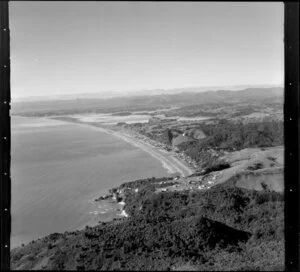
[(108, 94), (147, 102)]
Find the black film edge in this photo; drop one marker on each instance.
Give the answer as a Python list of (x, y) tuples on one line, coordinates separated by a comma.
[(291, 135), (5, 136)]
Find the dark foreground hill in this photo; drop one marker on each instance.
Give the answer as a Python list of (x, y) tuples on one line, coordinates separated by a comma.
[(223, 228)]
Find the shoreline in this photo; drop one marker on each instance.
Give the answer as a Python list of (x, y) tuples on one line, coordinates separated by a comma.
[(171, 163)]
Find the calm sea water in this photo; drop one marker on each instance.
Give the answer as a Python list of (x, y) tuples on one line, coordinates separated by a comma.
[(58, 169)]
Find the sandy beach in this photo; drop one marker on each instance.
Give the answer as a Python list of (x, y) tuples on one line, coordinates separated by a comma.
[(167, 159)]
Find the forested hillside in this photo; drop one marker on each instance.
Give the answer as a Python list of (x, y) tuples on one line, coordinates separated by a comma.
[(224, 228), (230, 135)]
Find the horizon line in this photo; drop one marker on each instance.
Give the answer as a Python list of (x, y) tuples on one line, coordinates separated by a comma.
[(120, 93)]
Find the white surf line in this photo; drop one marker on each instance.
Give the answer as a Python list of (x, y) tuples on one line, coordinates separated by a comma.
[(182, 165), (166, 162), (164, 156)]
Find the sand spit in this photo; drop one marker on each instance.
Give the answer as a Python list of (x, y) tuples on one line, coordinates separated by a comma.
[(168, 160)]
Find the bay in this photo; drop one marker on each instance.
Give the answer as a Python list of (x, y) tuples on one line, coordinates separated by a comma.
[(59, 168)]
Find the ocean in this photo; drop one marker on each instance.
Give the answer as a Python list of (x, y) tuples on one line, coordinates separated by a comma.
[(58, 169)]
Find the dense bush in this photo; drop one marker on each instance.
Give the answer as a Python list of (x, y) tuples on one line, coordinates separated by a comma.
[(235, 136), (221, 228)]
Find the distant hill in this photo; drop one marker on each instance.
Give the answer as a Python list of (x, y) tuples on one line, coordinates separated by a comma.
[(147, 102), (128, 93)]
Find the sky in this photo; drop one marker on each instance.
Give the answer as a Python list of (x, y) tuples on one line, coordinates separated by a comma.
[(93, 47)]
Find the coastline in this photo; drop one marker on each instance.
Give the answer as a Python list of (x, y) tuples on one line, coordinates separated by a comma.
[(172, 164)]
